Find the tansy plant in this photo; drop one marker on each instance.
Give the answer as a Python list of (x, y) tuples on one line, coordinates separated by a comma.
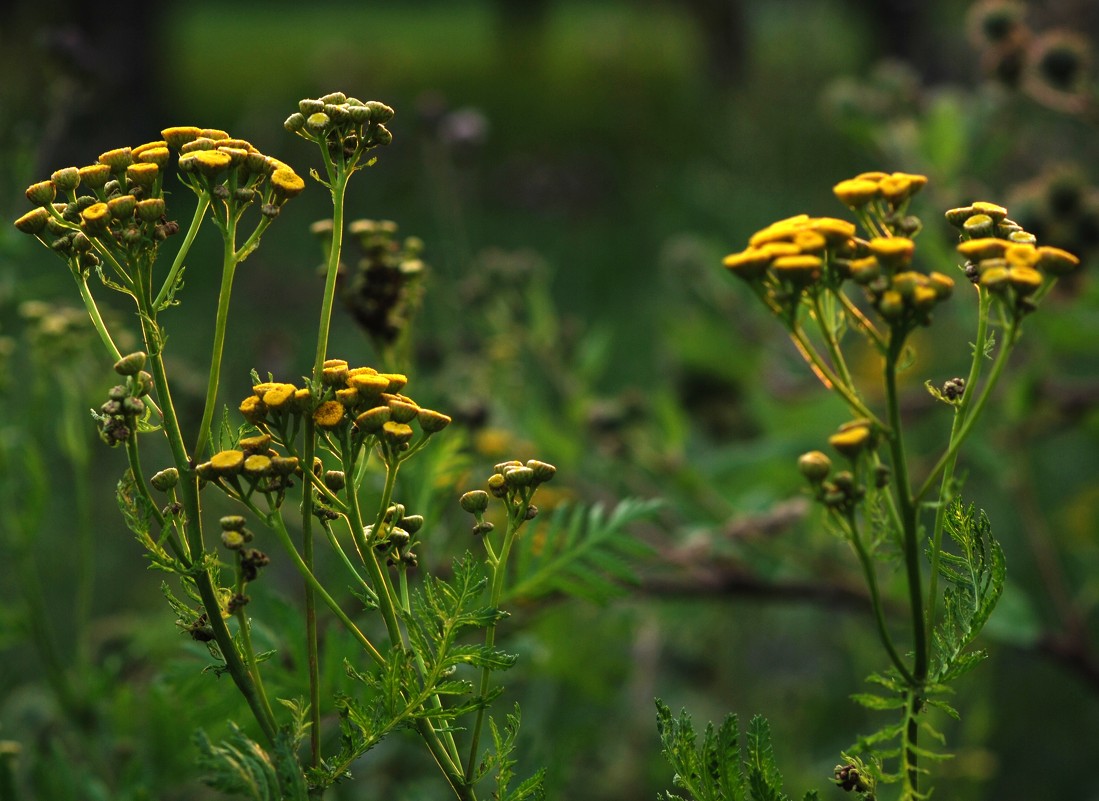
[(828, 283), (300, 469)]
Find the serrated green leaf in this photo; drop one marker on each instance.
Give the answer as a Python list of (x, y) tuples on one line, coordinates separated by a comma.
[(586, 552), (871, 701)]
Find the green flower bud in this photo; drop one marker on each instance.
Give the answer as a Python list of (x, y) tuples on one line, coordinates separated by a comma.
[(379, 112), (335, 480), (474, 501), (232, 523), (815, 466), (34, 221), (295, 122), (519, 476), (333, 97), (412, 523), (397, 433), (317, 123), (233, 539), (497, 485), (543, 471), (308, 107), (431, 421), (257, 465), (122, 208), (852, 439), (118, 159), (151, 209), (165, 479), (41, 193), (94, 176), (66, 179), (402, 411), (178, 136), (382, 136)]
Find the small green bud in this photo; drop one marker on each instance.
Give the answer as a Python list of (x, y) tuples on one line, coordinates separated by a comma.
[(543, 471), (130, 364), (402, 411), (232, 523), (66, 179), (41, 193), (519, 476), (233, 539), (431, 421), (379, 112), (412, 523), (497, 485), (142, 383), (317, 123), (815, 466), (483, 528), (382, 135), (295, 122), (34, 221), (165, 479), (474, 501), (335, 480)]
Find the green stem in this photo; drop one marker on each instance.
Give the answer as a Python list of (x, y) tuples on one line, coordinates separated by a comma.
[(312, 643), (499, 570), (875, 597), (961, 414), (250, 660), (829, 378), (184, 249), (339, 189), (910, 543), (967, 425), (193, 526), (275, 522), (221, 324), (830, 342)]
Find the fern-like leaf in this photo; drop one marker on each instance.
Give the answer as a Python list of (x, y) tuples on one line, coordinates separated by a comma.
[(581, 551), (240, 766)]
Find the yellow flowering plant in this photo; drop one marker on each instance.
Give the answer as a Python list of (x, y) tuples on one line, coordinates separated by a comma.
[(301, 464), (829, 283)]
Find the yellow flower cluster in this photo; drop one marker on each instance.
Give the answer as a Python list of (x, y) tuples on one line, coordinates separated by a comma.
[(803, 253), (892, 189), (254, 461), (118, 203), (793, 251), (1003, 258), (359, 398)]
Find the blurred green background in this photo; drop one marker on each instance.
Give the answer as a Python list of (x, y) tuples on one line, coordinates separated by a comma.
[(577, 171)]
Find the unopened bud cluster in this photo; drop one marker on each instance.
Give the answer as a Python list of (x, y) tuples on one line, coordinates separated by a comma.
[(383, 289), (395, 537), (345, 126), (1003, 258), (116, 207), (514, 483), (253, 466), (360, 400), (842, 490), (235, 536), (118, 415)]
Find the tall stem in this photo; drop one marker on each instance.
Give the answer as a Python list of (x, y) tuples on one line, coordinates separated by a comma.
[(228, 269), (911, 548), (339, 190), (188, 485)]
